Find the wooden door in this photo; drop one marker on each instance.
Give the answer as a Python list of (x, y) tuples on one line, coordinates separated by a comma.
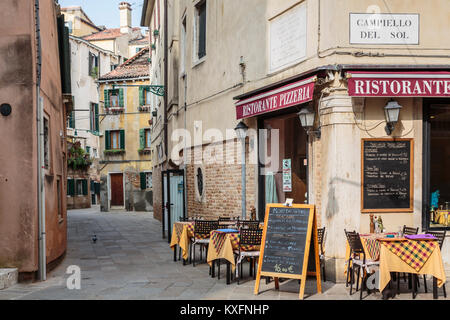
[(117, 189)]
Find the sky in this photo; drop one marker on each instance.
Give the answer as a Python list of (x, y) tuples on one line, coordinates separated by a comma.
[(106, 12)]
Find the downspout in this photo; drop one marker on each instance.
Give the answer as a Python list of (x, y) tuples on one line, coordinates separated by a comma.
[(42, 261), (185, 150), (166, 143)]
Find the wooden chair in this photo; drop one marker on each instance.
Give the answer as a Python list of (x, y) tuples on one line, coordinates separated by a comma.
[(248, 224), (202, 229), (347, 280), (410, 230), (320, 234), (440, 235), (407, 231), (362, 265), (248, 237)]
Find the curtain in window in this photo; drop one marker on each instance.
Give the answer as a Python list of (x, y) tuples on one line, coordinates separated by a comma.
[(271, 189)]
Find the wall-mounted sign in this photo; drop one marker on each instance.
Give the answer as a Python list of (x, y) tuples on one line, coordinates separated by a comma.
[(287, 96), (384, 28), (288, 38), (287, 175), (398, 84)]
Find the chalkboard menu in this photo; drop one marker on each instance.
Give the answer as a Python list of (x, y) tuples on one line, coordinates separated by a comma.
[(289, 245), (387, 175), (285, 241)]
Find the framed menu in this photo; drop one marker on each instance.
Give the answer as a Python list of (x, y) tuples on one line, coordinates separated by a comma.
[(387, 175)]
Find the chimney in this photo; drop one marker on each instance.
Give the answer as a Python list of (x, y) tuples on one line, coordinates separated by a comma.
[(125, 17)]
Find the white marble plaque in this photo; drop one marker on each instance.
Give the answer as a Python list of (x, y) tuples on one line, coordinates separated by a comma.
[(288, 38)]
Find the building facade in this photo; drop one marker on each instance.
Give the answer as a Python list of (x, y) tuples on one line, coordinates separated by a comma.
[(125, 159), (35, 91), (88, 63), (347, 63)]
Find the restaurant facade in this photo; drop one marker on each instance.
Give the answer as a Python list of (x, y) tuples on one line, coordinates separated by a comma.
[(374, 78)]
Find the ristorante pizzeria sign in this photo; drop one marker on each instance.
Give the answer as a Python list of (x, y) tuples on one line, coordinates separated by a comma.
[(396, 84), (287, 96)]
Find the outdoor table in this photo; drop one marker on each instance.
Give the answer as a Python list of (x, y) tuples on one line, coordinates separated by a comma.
[(181, 235), (411, 256), (221, 246)]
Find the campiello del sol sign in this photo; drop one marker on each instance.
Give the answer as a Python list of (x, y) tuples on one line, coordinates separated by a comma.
[(383, 28)]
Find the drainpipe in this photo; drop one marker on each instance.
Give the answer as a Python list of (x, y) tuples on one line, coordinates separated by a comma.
[(42, 261), (185, 149)]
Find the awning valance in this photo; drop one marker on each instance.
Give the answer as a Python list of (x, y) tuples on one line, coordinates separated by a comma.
[(287, 96), (398, 84)]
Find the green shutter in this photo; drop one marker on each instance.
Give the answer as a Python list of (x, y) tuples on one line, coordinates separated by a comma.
[(142, 138), (72, 119), (141, 96), (121, 104), (92, 185), (122, 139), (97, 123), (70, 187), (85, 187), (107, 141), (75, 192), (106, 94), (143, 181)]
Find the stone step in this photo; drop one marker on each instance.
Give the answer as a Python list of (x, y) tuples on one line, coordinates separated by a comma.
[(8, 278)]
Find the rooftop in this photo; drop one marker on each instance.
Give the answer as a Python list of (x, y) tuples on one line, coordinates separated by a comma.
[(107, 34), (135, 67)]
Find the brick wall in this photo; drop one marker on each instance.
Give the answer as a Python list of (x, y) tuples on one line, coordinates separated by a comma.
[(222, 186)]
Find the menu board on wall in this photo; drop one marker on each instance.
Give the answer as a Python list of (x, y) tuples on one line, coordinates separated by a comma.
[(289, 245), (387, 175)]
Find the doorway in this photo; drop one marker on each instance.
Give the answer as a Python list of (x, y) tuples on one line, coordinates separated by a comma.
[(173, 199), (283, 161), (116, 180)]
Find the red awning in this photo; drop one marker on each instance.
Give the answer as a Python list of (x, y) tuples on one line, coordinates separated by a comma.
[(398, 84), (287, 96)]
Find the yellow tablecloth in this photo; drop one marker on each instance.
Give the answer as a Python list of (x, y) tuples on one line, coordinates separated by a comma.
[(392, 262), (181, 234), (222, 246)]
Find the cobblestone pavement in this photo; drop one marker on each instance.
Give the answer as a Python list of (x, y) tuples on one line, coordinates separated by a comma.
[(130, 260)]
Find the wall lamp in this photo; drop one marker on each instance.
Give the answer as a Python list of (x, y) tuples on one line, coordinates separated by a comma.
[(392, 112), (307, 117)]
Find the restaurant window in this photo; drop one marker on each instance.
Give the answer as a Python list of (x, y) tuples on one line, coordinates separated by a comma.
[(437, 162)]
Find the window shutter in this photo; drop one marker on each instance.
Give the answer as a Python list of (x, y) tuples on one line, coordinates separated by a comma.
[(141, 96), (97, 124), (90, 63), (91, 118), (143, 181), (121, 100), (92, 185), (122, 139), (72, 119), (70, 187), (106, 93), (142, 138), (97, 188), (85, 187), (75, 191), (107, 141)]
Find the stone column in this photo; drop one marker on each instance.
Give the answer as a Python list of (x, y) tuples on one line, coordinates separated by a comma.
[(340, 176)]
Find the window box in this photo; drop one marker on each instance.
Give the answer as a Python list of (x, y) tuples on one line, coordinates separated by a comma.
[(156, 32), (113, 152), (144, 151), (115, 110), (145, 108), (153, 46)]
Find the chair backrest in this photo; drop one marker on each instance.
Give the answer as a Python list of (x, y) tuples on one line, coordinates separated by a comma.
[(248, 224), (320, 236), (184, 219), (410, 230), (354, 242), (204, 227), (224, 219), (250, 237), (440, 235)]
